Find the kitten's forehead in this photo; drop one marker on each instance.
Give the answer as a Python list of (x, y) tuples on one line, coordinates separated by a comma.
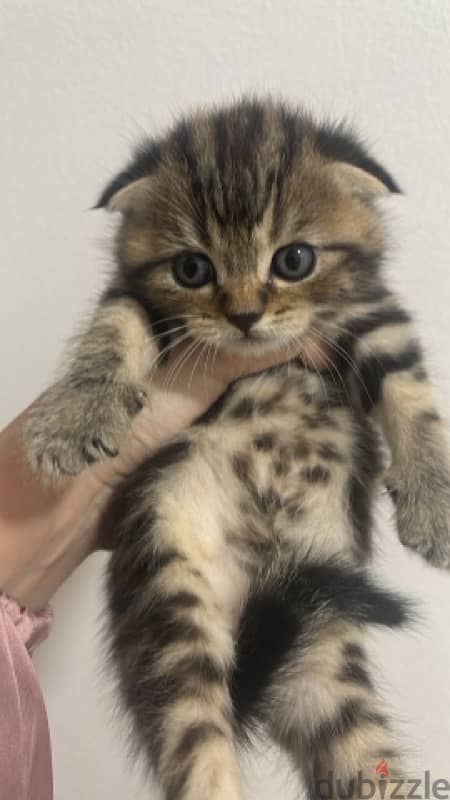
[(240, 179), (237, 160)]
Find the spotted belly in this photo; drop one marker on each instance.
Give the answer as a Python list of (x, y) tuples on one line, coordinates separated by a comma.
[(301, 463)]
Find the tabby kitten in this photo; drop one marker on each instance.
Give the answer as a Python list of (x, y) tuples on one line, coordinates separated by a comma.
[(239, 593)]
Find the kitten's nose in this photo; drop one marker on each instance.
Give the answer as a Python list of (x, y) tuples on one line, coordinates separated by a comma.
[(245, 321)]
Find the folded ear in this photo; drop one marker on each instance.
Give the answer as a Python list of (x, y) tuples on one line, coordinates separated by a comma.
[(126, 195), (354, 168), (357, 181)]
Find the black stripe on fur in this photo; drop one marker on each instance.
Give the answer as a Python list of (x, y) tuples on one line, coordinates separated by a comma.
[(129, 524), (386, 316), (374, 369), (133, 291), (286, 611)]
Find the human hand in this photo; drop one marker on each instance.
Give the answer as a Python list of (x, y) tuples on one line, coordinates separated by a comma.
[(45, 532), (183, 389)]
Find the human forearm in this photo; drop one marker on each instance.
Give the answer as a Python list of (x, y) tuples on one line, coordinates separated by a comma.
[(45, 532)]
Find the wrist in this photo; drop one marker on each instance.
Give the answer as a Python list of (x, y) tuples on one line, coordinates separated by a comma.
[(37, 557), (45, 532)]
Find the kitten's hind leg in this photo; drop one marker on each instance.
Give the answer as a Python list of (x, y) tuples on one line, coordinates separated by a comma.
[(172, 641), (302, 675), (335, 728)]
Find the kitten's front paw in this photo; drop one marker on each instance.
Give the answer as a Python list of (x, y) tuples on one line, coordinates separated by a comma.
[(423, 516), (73, 426)]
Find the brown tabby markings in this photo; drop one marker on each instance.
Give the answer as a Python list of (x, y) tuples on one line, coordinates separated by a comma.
[(238, 585)]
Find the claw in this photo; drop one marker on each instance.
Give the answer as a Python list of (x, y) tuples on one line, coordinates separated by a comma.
[(88, 457), (100, 445)]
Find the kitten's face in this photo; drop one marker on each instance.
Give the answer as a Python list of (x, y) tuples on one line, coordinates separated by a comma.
[(242, 233)]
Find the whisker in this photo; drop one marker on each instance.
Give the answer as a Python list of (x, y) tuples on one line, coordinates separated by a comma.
[(335, 373), (216, 350), (166, 349), (184, 355), (202, 350), (208, 353), (330, 362), (169, 332), (314, 366), (347, 332), (346, 357), (180, 363), (179, 317)]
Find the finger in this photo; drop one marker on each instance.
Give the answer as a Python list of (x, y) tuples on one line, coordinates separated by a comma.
[(234, 365), (312, 351), (184, 369)]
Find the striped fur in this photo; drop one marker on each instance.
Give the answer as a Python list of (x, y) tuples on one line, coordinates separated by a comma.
[(249, 602), (238, 586)]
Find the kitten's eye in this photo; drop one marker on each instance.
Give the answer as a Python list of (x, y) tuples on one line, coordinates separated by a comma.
[(193, 270), (294, 262)]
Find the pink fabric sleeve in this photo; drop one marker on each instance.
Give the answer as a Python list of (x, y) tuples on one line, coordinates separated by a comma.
[(25, 756)]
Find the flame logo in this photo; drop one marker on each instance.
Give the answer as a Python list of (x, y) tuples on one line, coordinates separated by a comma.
[(382, 769)]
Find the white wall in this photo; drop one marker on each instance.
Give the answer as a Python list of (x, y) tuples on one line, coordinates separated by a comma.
[(79, 80)]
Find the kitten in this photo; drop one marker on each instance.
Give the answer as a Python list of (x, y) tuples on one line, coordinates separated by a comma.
[(238, 588)]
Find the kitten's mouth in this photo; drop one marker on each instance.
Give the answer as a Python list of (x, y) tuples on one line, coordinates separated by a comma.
[(252, 342)]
